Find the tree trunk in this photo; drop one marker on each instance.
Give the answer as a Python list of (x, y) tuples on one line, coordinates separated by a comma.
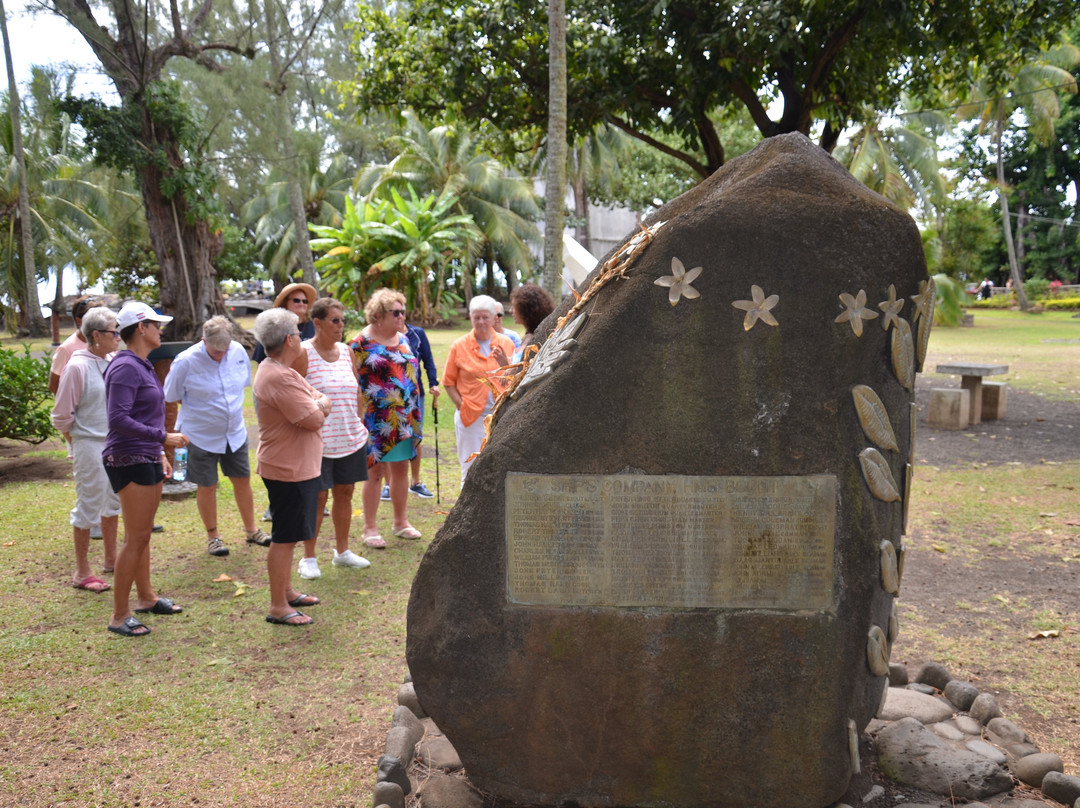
[(1006, 222), (184, 249), (555, 191), (35, 323), (583, 232)]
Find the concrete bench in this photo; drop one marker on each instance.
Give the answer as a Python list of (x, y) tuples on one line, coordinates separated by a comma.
[(971, 379), (950, 408), (995, 400)]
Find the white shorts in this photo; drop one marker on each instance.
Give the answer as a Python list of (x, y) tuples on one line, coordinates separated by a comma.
[(469, 440), (94, 497)]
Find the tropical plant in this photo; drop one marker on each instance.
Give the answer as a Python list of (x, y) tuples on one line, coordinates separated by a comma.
[(447, 159), (948, 307), (899, 162), (69, 199), (404, 243), (1029, 82), (325, 192)]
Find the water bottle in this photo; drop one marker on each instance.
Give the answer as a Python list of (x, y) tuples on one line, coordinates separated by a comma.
[(179, 469)]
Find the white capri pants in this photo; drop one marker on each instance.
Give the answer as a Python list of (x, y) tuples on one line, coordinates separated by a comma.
[(469, 440), (94, 497)]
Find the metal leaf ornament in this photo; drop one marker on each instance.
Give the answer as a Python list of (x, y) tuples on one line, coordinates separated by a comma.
[(878, 476), (903, 354), (873, 417), (551, 353), (877, 651)]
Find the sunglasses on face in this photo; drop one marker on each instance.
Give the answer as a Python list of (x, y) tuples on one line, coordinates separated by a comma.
[(107, 331), (301, 300), (335, 320), (397, 312)]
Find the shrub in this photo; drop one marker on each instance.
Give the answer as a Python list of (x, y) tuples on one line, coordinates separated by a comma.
[(25, 400), (1037, 289), (996, 302), (1062, 304)]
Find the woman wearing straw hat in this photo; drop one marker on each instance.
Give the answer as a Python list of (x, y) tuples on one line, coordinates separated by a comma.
[(297, 298)]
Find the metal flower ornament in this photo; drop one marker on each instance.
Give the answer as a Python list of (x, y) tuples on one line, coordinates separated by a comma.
[(759, 308), (855, 311), (891, 308), (678, 282)]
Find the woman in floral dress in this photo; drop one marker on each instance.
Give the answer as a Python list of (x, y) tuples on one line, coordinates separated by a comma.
[(388, 372)]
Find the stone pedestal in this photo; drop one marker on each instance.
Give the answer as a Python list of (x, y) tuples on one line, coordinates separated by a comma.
[(950, 408), (995, 400), (670, 577)]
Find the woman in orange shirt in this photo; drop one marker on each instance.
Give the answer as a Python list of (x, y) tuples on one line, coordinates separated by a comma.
[(478, 355)]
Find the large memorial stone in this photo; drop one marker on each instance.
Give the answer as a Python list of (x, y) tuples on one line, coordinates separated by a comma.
[(670, 577)]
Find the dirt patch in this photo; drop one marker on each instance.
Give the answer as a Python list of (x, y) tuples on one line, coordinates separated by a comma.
[(1035, 430), (21, 462)]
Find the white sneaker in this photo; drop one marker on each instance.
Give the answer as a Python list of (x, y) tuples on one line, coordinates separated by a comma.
[(350, 559), (309, 568)]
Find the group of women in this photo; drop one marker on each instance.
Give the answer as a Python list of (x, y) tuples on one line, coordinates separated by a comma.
[(330, 415)]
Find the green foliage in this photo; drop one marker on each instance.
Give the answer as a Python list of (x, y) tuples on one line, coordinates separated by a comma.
[(170, 139), (669, 67), (948, 308), (1037, 288), (407, 244), (25, 400), (996, 302), (448, 159), (1062, 304), (239, 257), (969, 241)]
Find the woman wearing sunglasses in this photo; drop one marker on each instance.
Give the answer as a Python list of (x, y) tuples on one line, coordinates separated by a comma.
[(330, 367), (388, 372), (135, 461)]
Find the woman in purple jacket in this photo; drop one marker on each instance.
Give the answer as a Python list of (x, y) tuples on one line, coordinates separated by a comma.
[(135, 461)]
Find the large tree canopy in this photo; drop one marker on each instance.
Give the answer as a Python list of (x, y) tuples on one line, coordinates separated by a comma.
[(668, 66)]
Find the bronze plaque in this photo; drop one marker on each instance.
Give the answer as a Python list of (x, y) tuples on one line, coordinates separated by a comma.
[(679, 542)]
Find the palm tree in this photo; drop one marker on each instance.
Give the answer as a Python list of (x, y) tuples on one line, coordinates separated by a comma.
[(408, 244), (899, 162), (68, 199), (32, 306), (447, 159), (555, 178), (324, 193), (1029, 84)]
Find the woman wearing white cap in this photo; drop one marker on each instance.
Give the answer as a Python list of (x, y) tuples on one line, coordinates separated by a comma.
[(135, 461)]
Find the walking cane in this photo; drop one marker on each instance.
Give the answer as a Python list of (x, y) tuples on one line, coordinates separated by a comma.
[(435, 418)]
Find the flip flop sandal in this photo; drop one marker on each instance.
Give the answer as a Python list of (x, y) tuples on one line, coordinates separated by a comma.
[(409, 532), (376, 541), (305, 600), (163, 606), (284, 621), (92, 583), (130, 628)]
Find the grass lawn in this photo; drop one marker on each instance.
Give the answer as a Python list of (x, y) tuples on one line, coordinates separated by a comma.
[(219, 708)]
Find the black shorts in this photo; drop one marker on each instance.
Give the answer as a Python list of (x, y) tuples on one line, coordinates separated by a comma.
[(344, 470), (295, 506), (148, 474)]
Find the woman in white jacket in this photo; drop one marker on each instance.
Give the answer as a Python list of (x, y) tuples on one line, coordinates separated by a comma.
[(80, 416)]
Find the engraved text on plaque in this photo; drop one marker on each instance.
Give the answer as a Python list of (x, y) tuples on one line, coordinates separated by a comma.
[(671, 541)]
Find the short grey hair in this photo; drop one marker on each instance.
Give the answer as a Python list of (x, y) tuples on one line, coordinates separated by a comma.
[(273, 327), (95, 319), (217, 331), (483, 302)]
